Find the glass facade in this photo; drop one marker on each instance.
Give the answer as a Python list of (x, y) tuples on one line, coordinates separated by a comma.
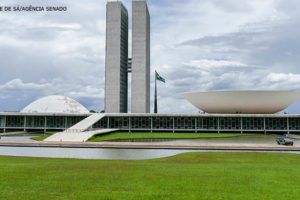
[(140, 123), (35, 122), (2, 121), (174, 123), (253, 123), (55, 122), (73, 120), (162, 123), (294, 123), (39, 122), (276, 123), (101, 124), (14, 121), (119, 122), (184, 123), (159, 123), (207, 123), (230, 123)]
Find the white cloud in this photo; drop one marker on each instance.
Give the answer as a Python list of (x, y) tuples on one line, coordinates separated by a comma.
[(28, 91), (281, 77), (210, 64), (18, 84)]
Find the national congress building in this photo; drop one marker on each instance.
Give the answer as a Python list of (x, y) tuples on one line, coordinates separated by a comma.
[(225, 111)]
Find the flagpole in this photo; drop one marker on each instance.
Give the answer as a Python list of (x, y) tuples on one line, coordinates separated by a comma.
[(155, 95)]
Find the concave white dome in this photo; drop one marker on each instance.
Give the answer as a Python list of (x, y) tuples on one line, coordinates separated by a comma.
[(55, 104), (244, 102)]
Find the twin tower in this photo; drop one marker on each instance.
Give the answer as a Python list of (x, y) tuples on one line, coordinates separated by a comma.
[(117, 63)]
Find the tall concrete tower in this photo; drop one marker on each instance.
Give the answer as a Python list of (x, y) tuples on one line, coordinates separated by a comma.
[(116, 76), (140, 87)]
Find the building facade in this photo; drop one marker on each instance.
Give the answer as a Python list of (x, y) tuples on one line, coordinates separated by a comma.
[(12, 121), (201, 123), (140, 86), (116, 58)]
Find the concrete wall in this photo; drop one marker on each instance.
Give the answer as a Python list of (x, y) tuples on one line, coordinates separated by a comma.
[(116, 77), (140, 93)]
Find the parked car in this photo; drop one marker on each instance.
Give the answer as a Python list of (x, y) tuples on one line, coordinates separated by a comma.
[(284, 141)]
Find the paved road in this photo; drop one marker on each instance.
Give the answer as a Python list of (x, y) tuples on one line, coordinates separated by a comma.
[(152, 145)]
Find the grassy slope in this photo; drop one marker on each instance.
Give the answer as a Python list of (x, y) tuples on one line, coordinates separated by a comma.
[(116, 136), (187, 176)]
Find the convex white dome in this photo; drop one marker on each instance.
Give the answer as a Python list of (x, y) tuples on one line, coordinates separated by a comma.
[(55, 104)]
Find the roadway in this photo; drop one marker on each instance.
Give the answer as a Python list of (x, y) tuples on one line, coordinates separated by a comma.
[(153, 145)]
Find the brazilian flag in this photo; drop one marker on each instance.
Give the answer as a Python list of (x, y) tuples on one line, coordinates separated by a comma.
[(158, 77)]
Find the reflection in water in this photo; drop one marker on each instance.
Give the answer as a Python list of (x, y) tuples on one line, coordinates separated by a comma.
[(93, 153)]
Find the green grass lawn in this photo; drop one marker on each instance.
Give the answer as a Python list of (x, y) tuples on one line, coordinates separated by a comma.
[(125, 135), (120, 135), (187, 176), (41, 138)]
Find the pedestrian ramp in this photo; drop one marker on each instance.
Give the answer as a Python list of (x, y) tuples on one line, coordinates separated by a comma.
[(86, 123), (77, 136), (81, 131)]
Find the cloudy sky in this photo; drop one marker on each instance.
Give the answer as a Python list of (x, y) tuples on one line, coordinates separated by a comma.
[(196, 45)]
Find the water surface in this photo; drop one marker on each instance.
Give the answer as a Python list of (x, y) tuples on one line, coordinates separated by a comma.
[(127, 154), (89, 153), (26, 138)]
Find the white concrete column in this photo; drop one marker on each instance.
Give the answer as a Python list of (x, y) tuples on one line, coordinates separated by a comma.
[(129, 124), (107, 122), (173, 124), (196, 124), (45, 124), (288, 125), (66, 122), (265, 126), (241, 124), (151, 124), (4, 124), (24, 121), (218, 124)]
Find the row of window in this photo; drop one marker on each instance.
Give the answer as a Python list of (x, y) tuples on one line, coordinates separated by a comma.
[(187, 123), (222, 123), (40, 121), (124, 61)]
